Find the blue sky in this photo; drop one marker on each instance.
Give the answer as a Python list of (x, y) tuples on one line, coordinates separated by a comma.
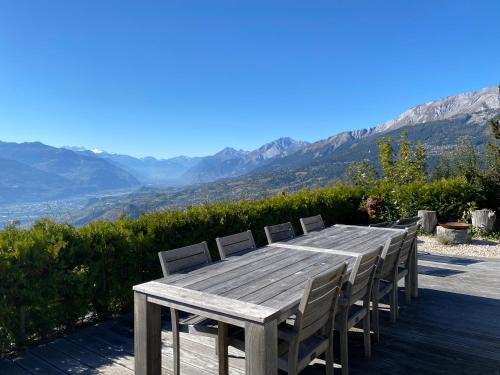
[(165, 78)]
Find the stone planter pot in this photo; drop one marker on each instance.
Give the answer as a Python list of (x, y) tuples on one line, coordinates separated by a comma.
[(453, 236)]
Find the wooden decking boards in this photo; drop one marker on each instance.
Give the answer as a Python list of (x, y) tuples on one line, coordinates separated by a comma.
[(452, 328)]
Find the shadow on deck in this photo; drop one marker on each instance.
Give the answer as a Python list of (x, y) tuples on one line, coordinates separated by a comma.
[(452, 328)]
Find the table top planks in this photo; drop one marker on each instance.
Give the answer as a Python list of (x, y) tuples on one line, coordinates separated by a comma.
[(258, 286), (345, 238), (267, 283)]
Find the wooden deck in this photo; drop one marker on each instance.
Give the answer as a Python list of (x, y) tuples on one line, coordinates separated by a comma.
[(453, 328)]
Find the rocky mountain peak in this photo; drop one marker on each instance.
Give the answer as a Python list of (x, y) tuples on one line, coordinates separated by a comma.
[(446, 108)]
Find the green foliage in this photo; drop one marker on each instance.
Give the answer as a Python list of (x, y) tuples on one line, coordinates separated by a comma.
[(54, 276), (449, 197), (361, 173), (408, 165)]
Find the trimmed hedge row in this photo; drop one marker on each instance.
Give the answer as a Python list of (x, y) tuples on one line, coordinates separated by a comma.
[(54, 276)]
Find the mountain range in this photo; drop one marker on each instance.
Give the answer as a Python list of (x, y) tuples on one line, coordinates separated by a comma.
[(440, 125), (37, 172)]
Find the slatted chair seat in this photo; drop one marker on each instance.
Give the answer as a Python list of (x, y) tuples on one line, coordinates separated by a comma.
[(358, 288), (236, 244), (279, 232), (310, 334), (312, 224)]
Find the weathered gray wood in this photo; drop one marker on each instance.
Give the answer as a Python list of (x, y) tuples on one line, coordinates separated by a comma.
[(384, 224), (261, 348), (316, 312), (408, 258), (385, 280), (201, 303), (184, 258), (483, 220), (358, 288), (408, 220), (279, 232), (428, 220), (432, 337), (235, 244), (147, 336), (312, 224)]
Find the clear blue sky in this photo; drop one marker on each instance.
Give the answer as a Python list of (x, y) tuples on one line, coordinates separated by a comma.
[(168, 77)]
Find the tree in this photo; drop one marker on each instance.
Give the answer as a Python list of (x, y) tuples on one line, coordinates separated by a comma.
[(361, 173), (409, 165)]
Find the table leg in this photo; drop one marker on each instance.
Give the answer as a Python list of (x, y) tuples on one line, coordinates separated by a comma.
[(261, 348), (414, 273), (147, 336), (222, 349)]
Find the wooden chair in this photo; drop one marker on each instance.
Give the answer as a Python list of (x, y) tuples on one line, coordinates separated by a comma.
[(311, 224), (385, 280), (408, 220), (312, 331), (406, 258), (279, 232), (358, 288), (384, 224), (235, 244), (182, 260)]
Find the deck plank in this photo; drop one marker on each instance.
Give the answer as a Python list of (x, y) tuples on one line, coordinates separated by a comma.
[(452, 328)]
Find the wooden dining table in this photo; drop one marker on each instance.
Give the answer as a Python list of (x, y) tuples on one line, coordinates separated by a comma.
[(256, 291)]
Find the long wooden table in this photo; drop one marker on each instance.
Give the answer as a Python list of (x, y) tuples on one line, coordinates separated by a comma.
[(352, 240), (256, 291)]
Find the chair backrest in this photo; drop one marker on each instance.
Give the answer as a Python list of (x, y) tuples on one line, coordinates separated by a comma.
[(408, 220), (318, 303), (384, 224), (279, 232), (361, 277), (390, 255), (411, 237), (311, 224), (185, 258), (235, 244)]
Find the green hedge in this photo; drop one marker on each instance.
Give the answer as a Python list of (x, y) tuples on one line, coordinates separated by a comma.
[(54, 276)]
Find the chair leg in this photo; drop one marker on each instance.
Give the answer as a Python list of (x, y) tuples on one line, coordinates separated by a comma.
[(222, 349), (375, 310), (366, 334), (329, 355), (344, 348), (174, 316), (393, 301), (408, 288)]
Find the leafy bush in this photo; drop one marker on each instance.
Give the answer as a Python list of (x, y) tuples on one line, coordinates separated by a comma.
[(54, 276)]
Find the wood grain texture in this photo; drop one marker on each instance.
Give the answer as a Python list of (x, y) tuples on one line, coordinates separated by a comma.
[(453, 329)]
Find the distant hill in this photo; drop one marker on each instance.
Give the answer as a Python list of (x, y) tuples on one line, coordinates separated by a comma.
[(446, 121), (34, 171)]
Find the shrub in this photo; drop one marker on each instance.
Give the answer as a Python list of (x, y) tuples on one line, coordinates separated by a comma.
[(53, 276)]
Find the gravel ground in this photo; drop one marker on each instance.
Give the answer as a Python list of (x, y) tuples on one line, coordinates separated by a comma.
[(477, 248)]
